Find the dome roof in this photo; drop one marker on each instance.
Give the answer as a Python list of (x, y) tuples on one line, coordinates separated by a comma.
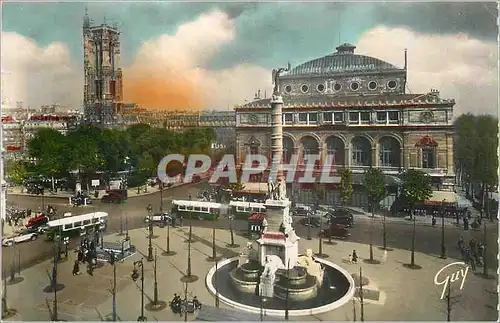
[(342, 61)]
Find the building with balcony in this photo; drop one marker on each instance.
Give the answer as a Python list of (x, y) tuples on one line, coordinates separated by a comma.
[(222, 122), (17, 133), (354, 109)]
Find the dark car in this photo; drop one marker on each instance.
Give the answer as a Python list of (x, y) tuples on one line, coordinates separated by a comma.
[(341, 216), (335, 231), (114, 196)]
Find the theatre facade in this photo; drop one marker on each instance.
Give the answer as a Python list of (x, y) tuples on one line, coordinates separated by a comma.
[(356, 109)]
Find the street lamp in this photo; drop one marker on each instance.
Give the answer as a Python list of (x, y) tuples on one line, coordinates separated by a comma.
[(189, 277), (161, 197), (443, 246), (309, 225), (156, 305), (135, 275), (112, 261), (150, 245), (168, 252)]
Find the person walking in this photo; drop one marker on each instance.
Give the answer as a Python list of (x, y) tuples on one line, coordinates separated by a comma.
[(384, 256), (354, 257), (76, 268)]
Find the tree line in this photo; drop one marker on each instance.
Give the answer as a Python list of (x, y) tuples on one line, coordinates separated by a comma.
[(476, 156), (89, 149)]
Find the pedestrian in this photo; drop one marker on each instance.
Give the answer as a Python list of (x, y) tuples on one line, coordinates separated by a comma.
[(473, 263), (433, 221), (354, 257), (466, 255), (76, 268), (80, 255), (384, 256), (350, 259)]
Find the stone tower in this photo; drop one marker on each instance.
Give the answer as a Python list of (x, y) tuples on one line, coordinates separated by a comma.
[(103, 89)]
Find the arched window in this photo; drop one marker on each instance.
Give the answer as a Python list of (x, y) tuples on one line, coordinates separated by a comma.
[(361, 152), (254, 146), (287, 149), (389, 152), (309, 146), (428, 151), (429, 157), (335, 148)]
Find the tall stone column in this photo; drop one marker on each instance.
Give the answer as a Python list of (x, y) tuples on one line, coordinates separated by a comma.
[(374, 161), (347, 157)]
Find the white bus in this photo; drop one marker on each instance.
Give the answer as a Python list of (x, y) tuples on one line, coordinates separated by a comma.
[(74, 225), (196, 209), (243, 210)]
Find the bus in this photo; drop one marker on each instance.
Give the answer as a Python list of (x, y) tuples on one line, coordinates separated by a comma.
[(243, 210), (76, 225), (196, 209)]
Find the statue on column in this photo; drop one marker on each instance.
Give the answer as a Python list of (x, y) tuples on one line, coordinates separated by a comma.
[(276, 76)]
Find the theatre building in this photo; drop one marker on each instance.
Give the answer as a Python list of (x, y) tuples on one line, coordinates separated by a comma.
[(357, 109)]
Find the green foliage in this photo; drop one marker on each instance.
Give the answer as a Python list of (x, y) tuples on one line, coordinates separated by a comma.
[(346, 189), (374, 182), (89, 149), (236, 186), (475, 148), (17, 171), (416, 187), (51, 150)]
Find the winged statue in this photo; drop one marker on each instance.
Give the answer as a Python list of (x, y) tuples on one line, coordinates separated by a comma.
[(276, 75)]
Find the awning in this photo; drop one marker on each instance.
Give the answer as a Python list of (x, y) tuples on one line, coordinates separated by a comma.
[(446, 196)]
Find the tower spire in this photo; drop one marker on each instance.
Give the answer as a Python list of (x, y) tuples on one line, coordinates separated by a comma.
[(86, 20)]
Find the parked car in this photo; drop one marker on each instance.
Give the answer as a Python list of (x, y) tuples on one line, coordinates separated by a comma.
[(114, 196), (341, 216), (160, 219), (37, 221), (301, 210), (22, 236), (335, 231)]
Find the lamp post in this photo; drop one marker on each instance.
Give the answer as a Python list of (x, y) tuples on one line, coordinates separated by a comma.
[(150, 245), (188, 273), (161, 197), (168, 252), (155, 292), (112, 261), (54, 285), (309, 225), (287, 297), (443, 246), (135, 275)]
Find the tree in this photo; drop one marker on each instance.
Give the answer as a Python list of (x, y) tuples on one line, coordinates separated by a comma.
[(345, 186), (49, 148), (416, 189), (463, 146), (17, 171), (319, 197), (374, 181), (84, 150)]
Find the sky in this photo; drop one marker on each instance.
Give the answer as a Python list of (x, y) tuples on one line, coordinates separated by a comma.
[(180, 55)]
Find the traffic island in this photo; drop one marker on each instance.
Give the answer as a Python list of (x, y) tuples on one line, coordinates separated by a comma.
[(168, 253), (371, 261), (412, 266), (53, 288), (156, 306), (189, 279), (15, 280)]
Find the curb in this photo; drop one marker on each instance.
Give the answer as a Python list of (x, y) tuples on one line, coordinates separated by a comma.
[(68, 196)]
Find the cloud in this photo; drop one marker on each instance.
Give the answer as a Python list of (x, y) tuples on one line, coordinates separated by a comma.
[(170, 71), (461, 67), (38, 75)]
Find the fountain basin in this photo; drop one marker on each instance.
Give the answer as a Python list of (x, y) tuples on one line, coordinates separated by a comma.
[(337, 289)]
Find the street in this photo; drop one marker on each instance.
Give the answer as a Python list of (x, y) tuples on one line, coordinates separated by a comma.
[(132, 212), (399, 235)]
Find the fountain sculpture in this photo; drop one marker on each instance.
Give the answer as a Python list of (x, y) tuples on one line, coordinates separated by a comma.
[(271, 267)]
